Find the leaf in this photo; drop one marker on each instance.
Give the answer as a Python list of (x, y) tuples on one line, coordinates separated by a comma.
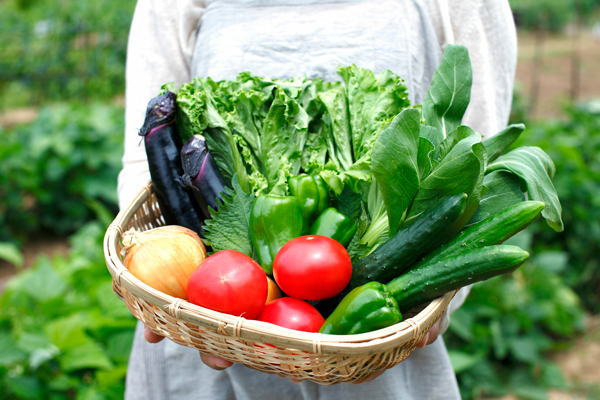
[(457, 173), (553, 377), (339, 138), (24, 386), (9, 252), (67, 332), (461, 324), (119, 346), (282, 139), (536, 169), (531, 392), (378, 230), (229, 226), (462, 361), (429, 150), (552, 261), (89, 355), (9, 353), (43, 283), (31, 341), (373, 101), (394, 165), (524, 349), (349, 203), (90, 393), (425, 157), (504, 190), (499, 143), (498, 340), (111, 377), (455, 136), (450, 91)]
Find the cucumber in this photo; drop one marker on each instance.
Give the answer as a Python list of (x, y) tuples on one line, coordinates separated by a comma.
[(493, 230), (393, 257), (430, 281)]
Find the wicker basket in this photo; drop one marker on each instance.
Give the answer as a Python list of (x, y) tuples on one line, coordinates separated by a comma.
[(324, 359)]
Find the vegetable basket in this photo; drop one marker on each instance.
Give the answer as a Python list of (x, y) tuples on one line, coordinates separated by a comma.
[(324, 359)]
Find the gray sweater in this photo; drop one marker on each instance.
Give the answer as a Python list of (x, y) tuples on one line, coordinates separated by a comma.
[(175, 40)]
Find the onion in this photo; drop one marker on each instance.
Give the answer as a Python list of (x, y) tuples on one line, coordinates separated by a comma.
[(164, 257)]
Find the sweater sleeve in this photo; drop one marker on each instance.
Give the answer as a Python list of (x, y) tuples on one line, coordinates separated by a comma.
[(488, 30), (159, 50)]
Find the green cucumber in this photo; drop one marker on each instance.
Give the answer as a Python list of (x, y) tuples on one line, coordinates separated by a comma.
[(394, 256), (493, 230), (430, 281)]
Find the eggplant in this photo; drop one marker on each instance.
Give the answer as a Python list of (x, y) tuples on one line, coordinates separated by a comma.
[(163, 147), (201, 175)]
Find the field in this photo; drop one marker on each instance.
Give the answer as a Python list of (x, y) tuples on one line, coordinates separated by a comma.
[(554, 75), (546, 81)]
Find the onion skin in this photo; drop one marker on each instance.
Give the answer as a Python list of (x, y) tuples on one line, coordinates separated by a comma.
[(164, 258), (274, 292)]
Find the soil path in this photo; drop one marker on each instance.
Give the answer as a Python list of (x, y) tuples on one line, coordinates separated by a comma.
[(554, 74)]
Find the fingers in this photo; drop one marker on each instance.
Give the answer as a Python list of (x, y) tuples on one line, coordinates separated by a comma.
[(214, 362), (152, 337), (369, 379), (431, 336)]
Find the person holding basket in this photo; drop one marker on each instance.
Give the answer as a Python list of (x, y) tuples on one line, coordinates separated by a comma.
[(177, 40)]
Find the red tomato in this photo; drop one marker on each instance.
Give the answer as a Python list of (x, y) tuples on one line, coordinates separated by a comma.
[(312, 267), (229, 282), (293, 314)]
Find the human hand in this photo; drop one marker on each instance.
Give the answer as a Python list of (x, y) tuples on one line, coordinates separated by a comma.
[(211, 361), (152, 337)]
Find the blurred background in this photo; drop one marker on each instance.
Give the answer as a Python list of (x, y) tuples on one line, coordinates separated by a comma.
[(64, 335)]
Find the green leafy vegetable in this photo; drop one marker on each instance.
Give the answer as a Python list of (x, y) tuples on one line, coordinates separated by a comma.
[(373, 101), (395, 166), (458, 172), (229, 227), (448, 96), (503, 190), (499, 143), (536, 169), (338, 134), (378, 230)]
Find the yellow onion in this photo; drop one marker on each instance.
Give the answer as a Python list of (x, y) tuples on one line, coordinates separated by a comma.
[(164, 257)]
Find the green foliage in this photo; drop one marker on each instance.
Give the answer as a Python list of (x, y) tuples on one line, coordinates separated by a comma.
[(62, 50), (552, 15), (10, 252), (499, 337), (56, 170), (574, 145), (63, 333)]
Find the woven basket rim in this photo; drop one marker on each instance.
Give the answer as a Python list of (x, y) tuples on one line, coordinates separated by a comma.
[(183, 311)]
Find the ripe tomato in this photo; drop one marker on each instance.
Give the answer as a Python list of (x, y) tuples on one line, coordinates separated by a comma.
[(229, 282), (312, 267), (293, 314)]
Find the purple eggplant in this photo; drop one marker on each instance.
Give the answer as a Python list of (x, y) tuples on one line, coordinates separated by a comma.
[(201, 174), (163, 146)]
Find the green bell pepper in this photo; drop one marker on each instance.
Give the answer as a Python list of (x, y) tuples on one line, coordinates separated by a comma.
[(334, 224), (366, 308), (312, 195), (274, 221)]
